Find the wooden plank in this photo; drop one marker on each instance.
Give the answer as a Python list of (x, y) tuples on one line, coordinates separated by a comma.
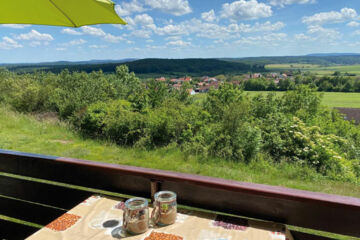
[(318, 211), (15, 231), (306, 236), (48, 194), (28, 212)]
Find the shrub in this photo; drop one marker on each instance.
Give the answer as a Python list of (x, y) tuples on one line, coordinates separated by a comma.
[(114, 120)]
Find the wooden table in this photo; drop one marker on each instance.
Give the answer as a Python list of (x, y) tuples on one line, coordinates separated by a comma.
[(101, 218)]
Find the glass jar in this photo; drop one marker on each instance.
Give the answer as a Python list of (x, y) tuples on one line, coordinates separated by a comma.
[(165, 208), (136, 216)]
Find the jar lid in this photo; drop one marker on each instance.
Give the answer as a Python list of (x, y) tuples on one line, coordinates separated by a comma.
[(165, 196), (136, 203)]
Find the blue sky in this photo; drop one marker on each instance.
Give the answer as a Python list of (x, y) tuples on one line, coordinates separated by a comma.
[(194, 28)]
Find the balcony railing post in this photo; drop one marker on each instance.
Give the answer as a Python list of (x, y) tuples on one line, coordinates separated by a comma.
[(155, 187)]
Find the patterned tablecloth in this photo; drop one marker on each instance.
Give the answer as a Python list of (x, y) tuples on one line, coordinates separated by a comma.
[(101, 218)]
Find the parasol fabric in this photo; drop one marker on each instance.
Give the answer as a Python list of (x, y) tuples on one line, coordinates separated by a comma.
[(70, 13)]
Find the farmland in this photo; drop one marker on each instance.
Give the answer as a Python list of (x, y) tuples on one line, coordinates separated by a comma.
[(316, 69), (330, 99)]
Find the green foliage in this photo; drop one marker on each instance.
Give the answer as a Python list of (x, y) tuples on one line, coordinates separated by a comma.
[(303, 101), (157, 92), (75, 91), (292, 128)]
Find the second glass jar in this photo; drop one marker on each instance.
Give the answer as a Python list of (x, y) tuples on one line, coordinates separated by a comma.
[(165, 208)]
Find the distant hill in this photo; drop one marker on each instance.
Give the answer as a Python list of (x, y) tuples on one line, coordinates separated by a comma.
[(332, 54), (63, 63), (318, 60), (195, 67)]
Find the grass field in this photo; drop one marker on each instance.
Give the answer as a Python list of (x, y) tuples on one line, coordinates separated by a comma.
[(316, 69), (291, 66), (330, 99)]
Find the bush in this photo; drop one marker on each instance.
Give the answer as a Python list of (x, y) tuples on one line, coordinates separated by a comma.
[(114, 120), (78, 90)]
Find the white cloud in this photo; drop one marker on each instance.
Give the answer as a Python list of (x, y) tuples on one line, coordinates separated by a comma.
[(257, 27), (15, 26), (142, 33), (128, 8), (93, 31), (270, 39), (172, 30), (357, 32), (9, 43), (35, 44), (97, 46), (178, 43), (173, 38), (175, 7), (70, 31), (60, 49), (113, 39), (353, 24), (208, 16), (143, 20), (34, 35), (74, 42), (303, 37), (345, 14), (326, 33), (216, 31), (245, 10), (282, 3), (319, 34)]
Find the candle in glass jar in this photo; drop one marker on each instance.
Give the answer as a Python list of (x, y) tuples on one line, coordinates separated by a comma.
[(136, 216)]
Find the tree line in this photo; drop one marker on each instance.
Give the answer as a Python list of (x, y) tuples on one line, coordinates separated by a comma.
[(335, 83)]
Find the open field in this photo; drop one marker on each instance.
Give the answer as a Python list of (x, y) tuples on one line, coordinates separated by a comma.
[(330, 99), (24, 133), (291, 66), (316, 69)]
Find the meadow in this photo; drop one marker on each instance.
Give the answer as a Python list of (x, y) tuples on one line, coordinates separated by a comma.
[(316, 69), (330, 99)]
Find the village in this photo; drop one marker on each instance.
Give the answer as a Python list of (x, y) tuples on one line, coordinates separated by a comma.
[(205, 83)]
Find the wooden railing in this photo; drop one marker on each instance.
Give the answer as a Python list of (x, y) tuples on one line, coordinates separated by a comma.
[(40, 202)]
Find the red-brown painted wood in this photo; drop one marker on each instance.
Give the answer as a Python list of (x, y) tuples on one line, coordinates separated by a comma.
[(337, 214)]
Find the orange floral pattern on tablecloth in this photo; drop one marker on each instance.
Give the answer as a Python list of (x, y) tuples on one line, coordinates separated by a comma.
[(162, 236), (64, 222)]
